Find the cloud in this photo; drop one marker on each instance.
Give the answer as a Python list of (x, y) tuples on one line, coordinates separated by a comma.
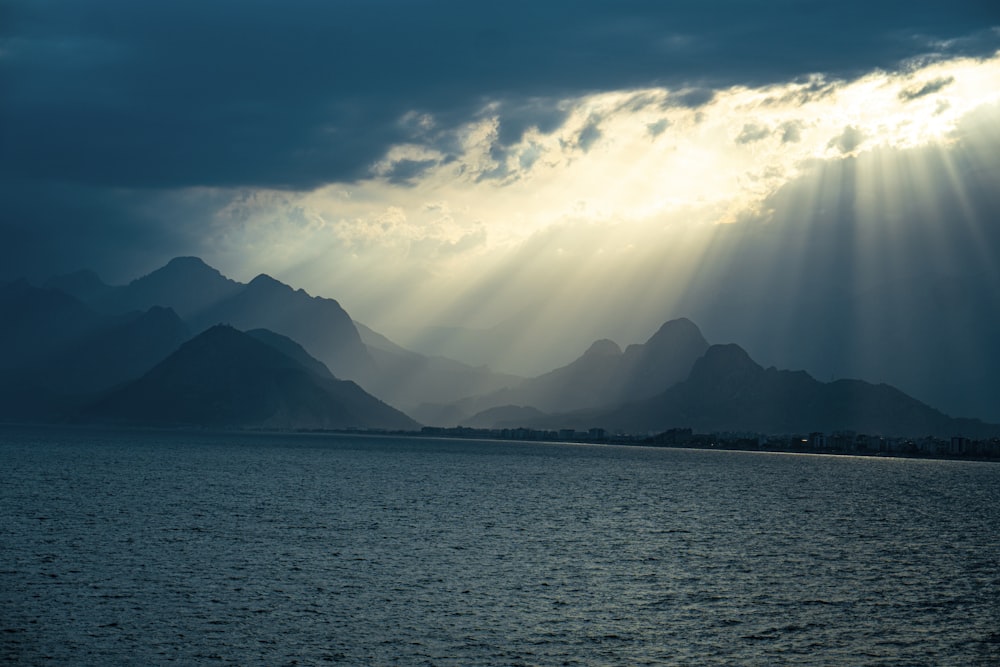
[(294, 96), (791, 131), (469, 241), (692, 99), (406, 171), (545, 115), (928, 88), (590, 134), (752, 132), (659, 127), (50, 228), (847, 142)]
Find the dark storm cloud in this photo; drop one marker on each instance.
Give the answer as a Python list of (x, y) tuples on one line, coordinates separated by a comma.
[(519, 116), (49, 228), (691, 99), (300, 93), (405, 172)]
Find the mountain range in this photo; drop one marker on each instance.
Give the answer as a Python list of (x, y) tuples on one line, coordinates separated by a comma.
[(185, 345), (604, 375), (727, 391), (202, 296)]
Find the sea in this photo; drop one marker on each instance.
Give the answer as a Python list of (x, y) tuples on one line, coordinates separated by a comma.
[(197, 548)]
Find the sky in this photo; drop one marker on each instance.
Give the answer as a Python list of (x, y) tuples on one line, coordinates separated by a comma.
[(815, 181)]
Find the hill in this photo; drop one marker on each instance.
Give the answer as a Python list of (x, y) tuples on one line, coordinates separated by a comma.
[(226, 378)]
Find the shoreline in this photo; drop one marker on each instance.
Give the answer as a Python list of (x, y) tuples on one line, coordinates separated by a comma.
[(987, 451)]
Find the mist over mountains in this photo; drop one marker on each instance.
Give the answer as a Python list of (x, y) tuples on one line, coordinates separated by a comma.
[(185, 345)]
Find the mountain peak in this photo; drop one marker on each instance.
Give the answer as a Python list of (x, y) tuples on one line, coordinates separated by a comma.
[(264, 281), (603, 348), (676, 331), (187, 284), (187, 267), (181, 268), (188, 261)]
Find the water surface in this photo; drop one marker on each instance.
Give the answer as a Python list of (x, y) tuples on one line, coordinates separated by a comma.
[(149, 548)]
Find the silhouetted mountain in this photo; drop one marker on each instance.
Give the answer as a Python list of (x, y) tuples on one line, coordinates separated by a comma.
[(187, 285), (603, 377), (56, 345), (728, 391), (226, 378), (590, 381), (55, 351), (665, 359), (203, 297)]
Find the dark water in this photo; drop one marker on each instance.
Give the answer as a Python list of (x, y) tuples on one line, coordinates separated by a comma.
[(140, 548)]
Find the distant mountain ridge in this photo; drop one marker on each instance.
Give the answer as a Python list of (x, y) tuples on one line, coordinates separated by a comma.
[(204, 297), (268, 356), (728, 392), (603, 376), (63, 360)]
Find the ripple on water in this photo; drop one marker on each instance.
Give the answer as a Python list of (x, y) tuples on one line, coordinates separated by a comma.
[(253, 549)]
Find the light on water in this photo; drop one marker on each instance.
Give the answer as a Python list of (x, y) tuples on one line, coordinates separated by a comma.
[(146, 548)]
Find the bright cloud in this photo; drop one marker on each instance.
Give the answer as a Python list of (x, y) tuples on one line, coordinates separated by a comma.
[(633, 167)]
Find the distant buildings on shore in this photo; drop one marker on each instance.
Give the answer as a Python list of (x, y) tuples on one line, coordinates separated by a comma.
[(838, 442)]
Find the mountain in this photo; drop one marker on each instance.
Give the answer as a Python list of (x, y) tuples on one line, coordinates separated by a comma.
[(203, 297), (602, 377), (226, 378), (79, 336), (55, 351), (665, 359), (187, 284), (728, 391)]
